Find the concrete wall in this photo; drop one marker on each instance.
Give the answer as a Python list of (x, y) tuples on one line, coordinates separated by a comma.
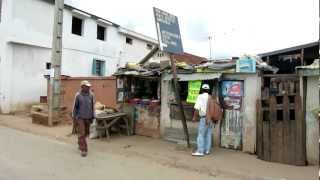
[(312, 124), (130, 53), (252, 86), (5, 54), (172, 129), (104, 89), (27, 80), (25, 41)]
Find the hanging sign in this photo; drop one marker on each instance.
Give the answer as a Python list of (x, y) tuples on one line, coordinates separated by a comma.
[(168, 32), (193, 91), (246, 65)]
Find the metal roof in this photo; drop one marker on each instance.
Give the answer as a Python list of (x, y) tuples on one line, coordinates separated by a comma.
[(193, 77), (286, 50)]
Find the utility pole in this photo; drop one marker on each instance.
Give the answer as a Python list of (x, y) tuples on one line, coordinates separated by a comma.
[(210, 46), (55, 81)]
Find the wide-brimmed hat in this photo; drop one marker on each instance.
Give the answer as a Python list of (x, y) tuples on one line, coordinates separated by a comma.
[(85, 83)]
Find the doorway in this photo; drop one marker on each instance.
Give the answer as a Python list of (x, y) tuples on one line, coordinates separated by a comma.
[(231, 124)]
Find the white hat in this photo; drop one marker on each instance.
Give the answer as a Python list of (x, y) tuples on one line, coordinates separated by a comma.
[(85, 83), (205, 86)]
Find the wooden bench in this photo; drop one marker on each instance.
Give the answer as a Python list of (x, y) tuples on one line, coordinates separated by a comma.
[(105, 122)]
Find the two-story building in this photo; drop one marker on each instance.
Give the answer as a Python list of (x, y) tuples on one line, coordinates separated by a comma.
[(92, 46)]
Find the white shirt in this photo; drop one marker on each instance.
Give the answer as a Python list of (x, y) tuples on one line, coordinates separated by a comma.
[(201, 104)]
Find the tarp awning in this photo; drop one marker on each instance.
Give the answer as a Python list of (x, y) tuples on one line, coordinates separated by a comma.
[(193, 77)]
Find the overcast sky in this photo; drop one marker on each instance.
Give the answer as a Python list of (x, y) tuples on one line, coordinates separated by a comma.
[(237, 26)]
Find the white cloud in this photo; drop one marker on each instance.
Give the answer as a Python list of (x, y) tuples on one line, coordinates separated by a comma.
[(237, 27)]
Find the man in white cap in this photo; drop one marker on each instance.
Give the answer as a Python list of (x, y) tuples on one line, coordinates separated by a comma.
[(83, 114), (205, 127)]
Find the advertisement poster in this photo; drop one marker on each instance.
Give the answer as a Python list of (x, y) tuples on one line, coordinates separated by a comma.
[(193, 91), (246, 65), (232, 88), (232, 103)]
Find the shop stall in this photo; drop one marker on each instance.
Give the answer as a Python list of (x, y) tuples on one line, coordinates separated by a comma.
[(138, 94)]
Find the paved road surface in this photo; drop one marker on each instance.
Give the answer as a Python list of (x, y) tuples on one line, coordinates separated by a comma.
[(28, 157)]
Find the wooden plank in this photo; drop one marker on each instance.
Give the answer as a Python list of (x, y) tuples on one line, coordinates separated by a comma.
[(302, 57), (259, 140), (293, 138), (287, 151), (273, 121), (276, 141), (177, 93), (300, 136), (281, 75), (266, 140)]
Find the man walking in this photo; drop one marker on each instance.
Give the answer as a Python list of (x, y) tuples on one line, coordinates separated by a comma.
[(83, 114), (204, 138)]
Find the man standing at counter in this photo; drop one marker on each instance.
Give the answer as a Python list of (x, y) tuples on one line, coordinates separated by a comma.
[(205, 128)]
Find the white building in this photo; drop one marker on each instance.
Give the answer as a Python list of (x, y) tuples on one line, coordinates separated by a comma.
[(91, 46)]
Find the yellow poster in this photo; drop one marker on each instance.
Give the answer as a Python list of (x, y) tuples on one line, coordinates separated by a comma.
[(193, 91)]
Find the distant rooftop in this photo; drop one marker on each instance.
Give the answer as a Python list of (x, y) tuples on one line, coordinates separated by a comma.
[(286, 50), (189, 58)]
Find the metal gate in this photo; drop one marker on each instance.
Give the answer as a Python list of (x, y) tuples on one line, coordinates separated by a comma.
[(280, 123)]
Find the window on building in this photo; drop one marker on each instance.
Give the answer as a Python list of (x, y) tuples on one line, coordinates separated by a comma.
[(48, 65), (98, 67), (101, 33), (149, 46), (77, 26), (160, 54), (129, 40)]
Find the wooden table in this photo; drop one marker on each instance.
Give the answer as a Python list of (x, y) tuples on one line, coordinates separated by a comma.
[(106, 121)]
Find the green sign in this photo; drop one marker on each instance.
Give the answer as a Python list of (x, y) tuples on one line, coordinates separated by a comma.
[(193, 91)]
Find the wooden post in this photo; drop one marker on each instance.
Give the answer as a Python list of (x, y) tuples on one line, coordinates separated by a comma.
[(259, 140), (302, 57), (177, 93)]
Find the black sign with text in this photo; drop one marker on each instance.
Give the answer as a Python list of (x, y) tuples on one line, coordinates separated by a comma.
[(168, 32)]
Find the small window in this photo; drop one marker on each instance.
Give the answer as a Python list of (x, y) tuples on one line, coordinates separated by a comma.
[(77, 25), (149, 46), (48, 65), (129, 40), (98, 68), (101, 33)]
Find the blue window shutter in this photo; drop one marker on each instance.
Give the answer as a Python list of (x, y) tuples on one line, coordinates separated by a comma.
[(94, 65), (103, 68)]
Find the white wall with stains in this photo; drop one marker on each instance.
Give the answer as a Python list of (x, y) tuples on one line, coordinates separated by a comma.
[(25, 47), (312, 124), (252, 92)]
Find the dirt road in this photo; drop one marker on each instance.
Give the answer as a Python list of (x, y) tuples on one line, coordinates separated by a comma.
[(28, 157)]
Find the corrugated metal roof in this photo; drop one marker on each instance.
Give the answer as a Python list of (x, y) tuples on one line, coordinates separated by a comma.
[(193, 77), (189, 58), (286, 50)]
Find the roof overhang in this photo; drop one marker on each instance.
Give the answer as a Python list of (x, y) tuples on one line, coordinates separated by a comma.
[(193, 76), (287, 50), (137, 35)]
